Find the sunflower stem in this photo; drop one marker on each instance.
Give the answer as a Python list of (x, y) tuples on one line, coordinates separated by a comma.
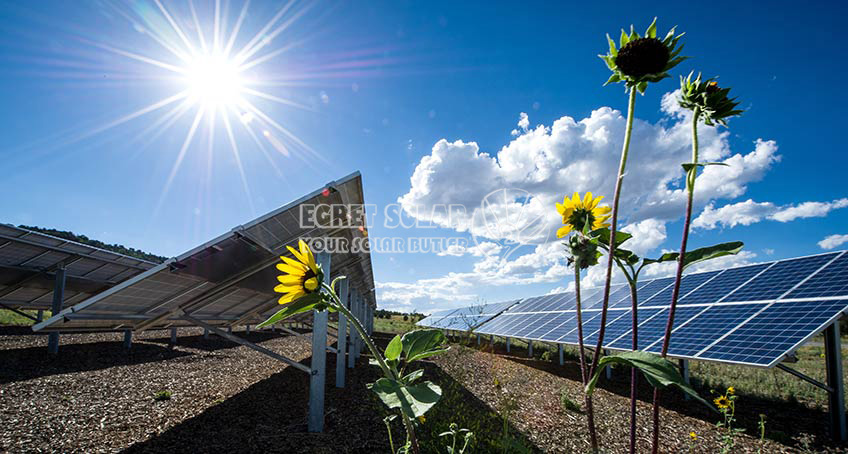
[(634, 373), (410, 430), (690, 195), (590, 415)]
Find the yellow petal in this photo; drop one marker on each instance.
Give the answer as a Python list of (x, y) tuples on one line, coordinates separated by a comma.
[(311, 284), (587, 200), (300, 258), (575, 200), (563, 231), (290, 269), (560, 207), (567, 214), (288, 279), (601, 210), (289, 297), (595, 202)]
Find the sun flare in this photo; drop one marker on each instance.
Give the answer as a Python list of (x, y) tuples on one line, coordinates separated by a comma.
[(214, 81)]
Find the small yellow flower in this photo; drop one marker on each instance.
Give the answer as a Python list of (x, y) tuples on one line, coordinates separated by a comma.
[(730, 391), (421, 419), (302, 276), (576, 212), (722, 402), (693, 436)]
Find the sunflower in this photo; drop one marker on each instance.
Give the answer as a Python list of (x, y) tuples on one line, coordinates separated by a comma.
[(642, 59), (722, 402), (707, 99), (730, 391), (302, 276), (577, 212), (693, 436)]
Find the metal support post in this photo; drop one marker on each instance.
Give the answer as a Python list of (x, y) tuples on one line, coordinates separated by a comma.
[(478, 339), (229, 330), (341, 339), (684, 371), (40, 317), (56, 307), (608, 369), (128, 339), (561, 354), (206, 333), (247, 329), (530, 348), (174, 336), (318, 365), (508, 342), (836, 398)]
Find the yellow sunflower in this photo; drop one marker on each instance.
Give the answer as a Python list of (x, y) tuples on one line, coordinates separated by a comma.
[(730, 391), (302, 276), (693, 436), (576, 212), (722, 402)]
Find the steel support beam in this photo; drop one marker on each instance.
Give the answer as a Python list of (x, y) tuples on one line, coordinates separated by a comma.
[(508, 342), (40, 317), (608, 369), (561, 354), (318, 373), (530, 348), (478, 339), (354, 334), (174, 336), (246, 343), (58, 298), (684, 371), (127, 339), (206, 333), (836, 401), (341, 343)]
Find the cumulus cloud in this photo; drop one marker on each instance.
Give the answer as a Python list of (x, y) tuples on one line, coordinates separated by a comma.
[(833, 241), (508, 197), (750, 212)]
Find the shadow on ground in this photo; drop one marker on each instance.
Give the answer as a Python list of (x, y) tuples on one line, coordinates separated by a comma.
[(271, 416), (33, 362)]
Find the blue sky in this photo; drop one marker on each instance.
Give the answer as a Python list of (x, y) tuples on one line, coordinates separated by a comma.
[(378, 84)]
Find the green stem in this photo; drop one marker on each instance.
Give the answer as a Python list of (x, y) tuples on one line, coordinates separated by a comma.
[(690, 195), (625, 150), (391, 443), (410, 431)]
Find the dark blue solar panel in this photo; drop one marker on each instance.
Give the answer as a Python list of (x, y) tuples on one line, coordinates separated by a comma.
[(775, 281), (559, 302), (831, 281), (621, 298), (568, 323), (499, 323), (618, 333), (528, 325), (550, 322), (687, 284), (653, 330), (533, 304), (591, 337), (651, 288), (597, 300), (705, 328), (435, 317), (716, 289), (590, 319), (773, 332), (592, 297)]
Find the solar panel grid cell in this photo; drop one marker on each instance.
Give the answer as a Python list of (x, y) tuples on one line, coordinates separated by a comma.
[(553, 321), (687, 284), (720, 287), (568, 322), (589, 320), (830, 281), (706, 328), (774, 331), (620, 328), (781, 277)]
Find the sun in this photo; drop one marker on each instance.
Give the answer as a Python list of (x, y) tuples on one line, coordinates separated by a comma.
[(213, 81)]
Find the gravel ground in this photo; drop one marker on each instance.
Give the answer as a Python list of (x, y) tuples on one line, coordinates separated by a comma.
[(97, 397)]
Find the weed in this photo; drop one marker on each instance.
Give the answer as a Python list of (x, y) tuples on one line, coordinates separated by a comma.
[(160, 396), (567, 403)]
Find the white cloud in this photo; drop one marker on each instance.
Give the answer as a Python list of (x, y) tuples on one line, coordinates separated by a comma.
[(483, 249), (833, 241), (750, 212), (523, 124)]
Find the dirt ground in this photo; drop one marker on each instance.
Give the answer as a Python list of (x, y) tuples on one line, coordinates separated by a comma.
[(97, 397)]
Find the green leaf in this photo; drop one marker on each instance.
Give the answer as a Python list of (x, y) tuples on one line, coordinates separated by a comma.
[(613, 79), (612, 50), (413, 376), (394, 349), (423, 343), (660, 372), (603, 235), (624, 39), (652, 29), (701, 254), (303, 304), (413, 400)]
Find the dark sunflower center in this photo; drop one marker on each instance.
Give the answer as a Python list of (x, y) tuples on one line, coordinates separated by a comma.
[(309, 275), (642, 56), (580, 217)]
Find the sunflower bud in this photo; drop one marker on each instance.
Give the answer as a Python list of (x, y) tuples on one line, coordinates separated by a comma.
[(642, 57)]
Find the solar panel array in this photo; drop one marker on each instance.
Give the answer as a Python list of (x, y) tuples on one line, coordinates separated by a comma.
[(228, 280), (465, 318), (29, 260), (754, 315)]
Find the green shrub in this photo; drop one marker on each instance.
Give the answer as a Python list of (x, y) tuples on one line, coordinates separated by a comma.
[(160, 396), (567, 403)]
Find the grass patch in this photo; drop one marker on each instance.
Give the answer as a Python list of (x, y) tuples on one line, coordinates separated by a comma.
[(11, 318), (160, 396), (394, 325)]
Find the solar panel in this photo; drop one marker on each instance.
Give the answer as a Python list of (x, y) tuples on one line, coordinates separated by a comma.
[(228, 280), (754, 314), (29, 261), (465, 318)]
